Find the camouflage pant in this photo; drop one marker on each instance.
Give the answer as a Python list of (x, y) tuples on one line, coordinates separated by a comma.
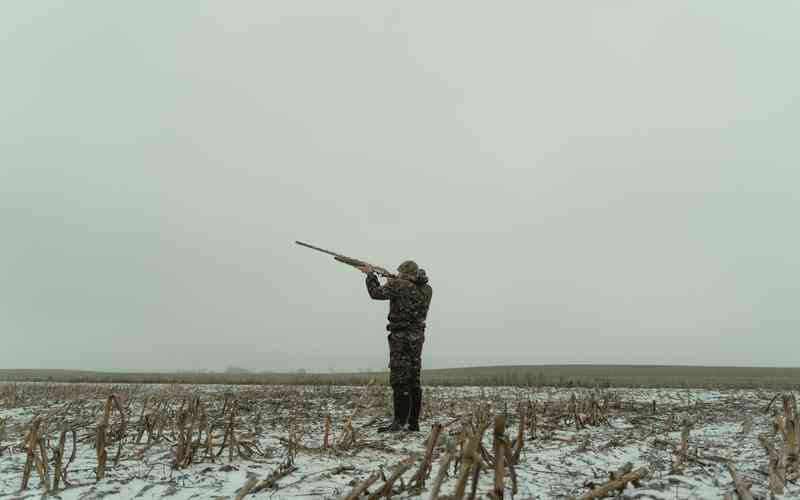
[(405, 358)]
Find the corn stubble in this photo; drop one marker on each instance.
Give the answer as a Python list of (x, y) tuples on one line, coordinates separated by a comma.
[(203, 428)]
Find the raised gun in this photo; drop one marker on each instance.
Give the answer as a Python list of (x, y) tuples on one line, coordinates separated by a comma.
[(350, 261)]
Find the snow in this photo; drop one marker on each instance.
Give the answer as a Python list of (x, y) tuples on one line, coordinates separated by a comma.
[(552, 466)]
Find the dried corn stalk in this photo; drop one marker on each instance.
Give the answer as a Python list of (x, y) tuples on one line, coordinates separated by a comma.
[(102, 434), (36, 456)]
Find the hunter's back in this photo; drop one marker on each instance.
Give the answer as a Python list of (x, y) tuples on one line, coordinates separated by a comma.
[(409, 304)]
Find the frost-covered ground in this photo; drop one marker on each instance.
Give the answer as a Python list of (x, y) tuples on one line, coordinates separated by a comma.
[(557, 460)]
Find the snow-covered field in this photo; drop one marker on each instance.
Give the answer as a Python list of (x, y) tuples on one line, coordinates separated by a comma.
[(285, 426)]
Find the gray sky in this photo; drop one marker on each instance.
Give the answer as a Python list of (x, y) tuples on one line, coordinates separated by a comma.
[(585, 182)]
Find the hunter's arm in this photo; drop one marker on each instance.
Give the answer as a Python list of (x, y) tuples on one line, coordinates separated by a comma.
[(376, 291)]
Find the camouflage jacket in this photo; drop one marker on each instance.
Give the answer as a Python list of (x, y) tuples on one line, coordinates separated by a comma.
[(408, 301)]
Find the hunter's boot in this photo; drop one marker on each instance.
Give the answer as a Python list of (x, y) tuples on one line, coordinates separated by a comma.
[(401, 409), (414, 411)]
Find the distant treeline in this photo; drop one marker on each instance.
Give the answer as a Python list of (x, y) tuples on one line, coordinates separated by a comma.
[(550, 375)]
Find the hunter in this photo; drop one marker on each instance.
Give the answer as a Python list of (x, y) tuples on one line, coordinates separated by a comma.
[(409, 297)]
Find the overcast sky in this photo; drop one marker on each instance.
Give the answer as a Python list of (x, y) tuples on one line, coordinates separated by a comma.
[(585, 182)]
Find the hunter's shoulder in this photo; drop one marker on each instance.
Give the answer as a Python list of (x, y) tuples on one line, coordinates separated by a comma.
[(402, 285), (399, 283)]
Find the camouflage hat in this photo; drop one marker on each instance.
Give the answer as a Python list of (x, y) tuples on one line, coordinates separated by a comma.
[(408, 269)]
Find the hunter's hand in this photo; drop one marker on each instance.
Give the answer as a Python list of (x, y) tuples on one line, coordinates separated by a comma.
[(364, 269)]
